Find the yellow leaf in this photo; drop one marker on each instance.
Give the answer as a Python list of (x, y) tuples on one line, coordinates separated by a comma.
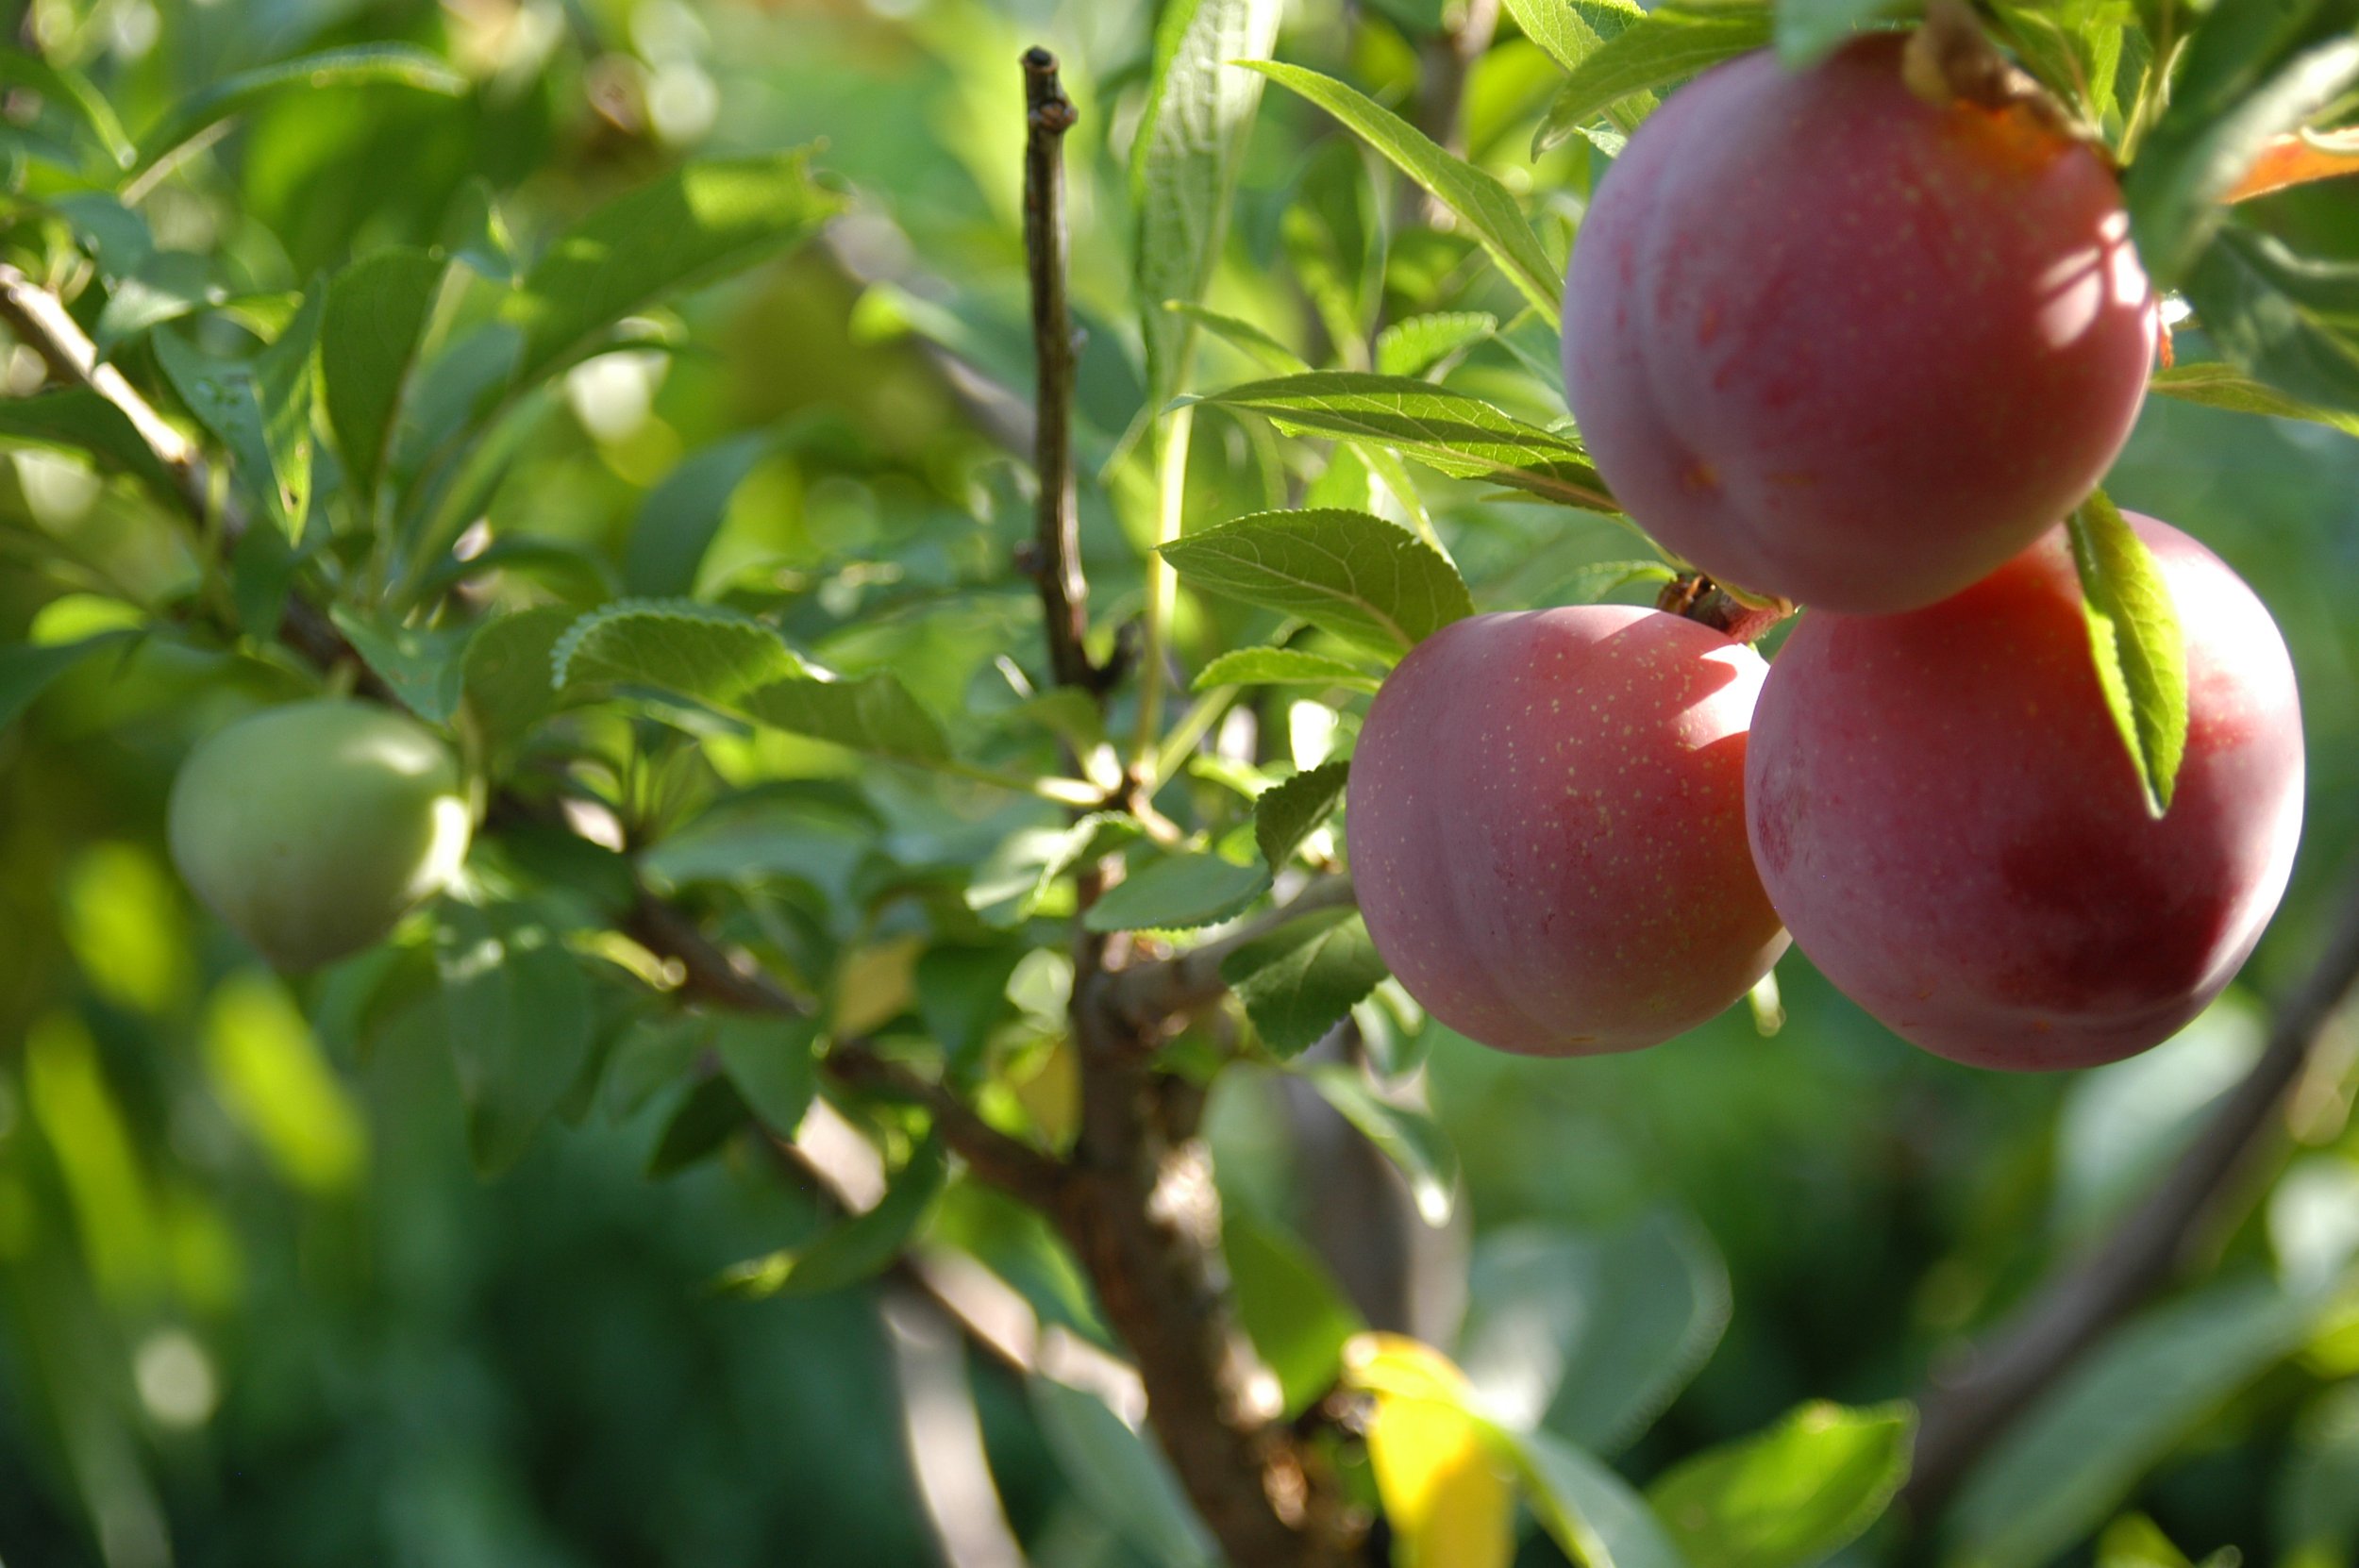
[(875, 985), (1446, 1492)]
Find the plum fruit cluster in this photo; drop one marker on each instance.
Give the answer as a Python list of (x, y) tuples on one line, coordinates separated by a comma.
[(313, 827), (1863, 351)]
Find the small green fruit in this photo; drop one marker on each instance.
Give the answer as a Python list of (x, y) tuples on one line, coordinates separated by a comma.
[(314, 828)]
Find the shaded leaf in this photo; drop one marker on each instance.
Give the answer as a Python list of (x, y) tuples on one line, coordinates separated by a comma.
[(1809, 30), (1589, 1512), (873, 713), (770, 1060), (1290, 1307), (28, 670), (1489, 212), (1177, 893), (1348, 573), (377, 313), (76, 418), (2223, 386), (517, 1010), (1120, 1477), (2135, 638), (1009, 885), (853, 1249), (2292, 323), (1298, 981), (703, 1122), (182, 129), (679, 517), (426, 666), (505, 675), (1291, 811), (700, 651)]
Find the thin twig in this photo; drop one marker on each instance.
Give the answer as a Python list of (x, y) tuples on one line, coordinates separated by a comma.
[(1966, 1413), (1057, 559), (1145, 994)]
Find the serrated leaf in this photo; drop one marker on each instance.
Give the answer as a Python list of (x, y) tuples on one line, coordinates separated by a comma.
[(504, 676), (873, 713), (693, 225), (1489, 212), (679, 517), (1358, 576), (2064, 1467), (2291, 321), (1791, 1496), (1297, 982), (1411, 347), (76, 418), (1571, 31), (377, 314), (853, 1249), (517, 1010), (2135, 638), (2250, 72), (1453, 432), (1408, 1138), (1592, 1334), (182, 128), (770, 1060), (1589, 1512), (1183, 164), (2223, 386), (1288, 812), (1009, 885), (1120, 1477), (1178, 893), (1809, 30), (426, 666), (1289, 1305), (700, 651), (1672, 43), (1281, 667)]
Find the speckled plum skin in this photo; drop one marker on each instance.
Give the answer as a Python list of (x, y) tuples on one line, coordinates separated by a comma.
[(1943, 811), (1828, 341), (1546, 829)]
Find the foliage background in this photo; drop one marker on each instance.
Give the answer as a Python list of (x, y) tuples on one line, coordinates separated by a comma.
[(259, 1309)]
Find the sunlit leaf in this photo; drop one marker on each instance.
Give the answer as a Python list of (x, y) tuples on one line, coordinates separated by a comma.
[(1672, 43), (1290, 1306), (1356, 576), (1177, 893), (268, 1070), (2222, 386), (2135, 637), (1444, 1484), (1281, 667), (1788, 1496)]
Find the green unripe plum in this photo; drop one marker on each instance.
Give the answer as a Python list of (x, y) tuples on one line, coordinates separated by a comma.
[(1944, 813), (1830, 340), (314, 828), (1546, 829)]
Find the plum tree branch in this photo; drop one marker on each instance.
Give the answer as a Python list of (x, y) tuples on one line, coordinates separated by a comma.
[(1056, 564), (1963, 1415)]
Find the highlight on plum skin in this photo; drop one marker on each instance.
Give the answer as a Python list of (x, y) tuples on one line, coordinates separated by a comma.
[(1546, 833), (1945, 815), (1830, 341)]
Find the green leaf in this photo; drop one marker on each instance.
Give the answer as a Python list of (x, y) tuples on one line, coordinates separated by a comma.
[(705, 1119), (1010, 884), (679, 519), (377, 315), (1589, 1512), (426, 666), (1791, 1496), (962, 992), (1290, 1307), (1244, 334), (183, 129), (1809, 30), (1178, 893), (1593, 582), (2134, 1541), (517, 1010), (286, 389), (700, 651), (853, 1249), (1490, 214), (2079, 1451), (1185, 162), (1298, 981), (1407, 1137), (1356, 576), (770, 1060), (696, 223), (28, 670), (1414, 347), (1571, 31), (2290, 322), (1592, 1334), (873, 713), (76, 418), (2223, 386), (1288, 812), (1453, 432), (72, 94), (504, 676), (2250, 72), (2135, 638), (1281, 667), (1672, 45), (1120, 1477)]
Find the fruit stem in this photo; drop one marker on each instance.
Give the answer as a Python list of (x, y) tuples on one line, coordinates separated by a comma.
[(1740, 618)]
